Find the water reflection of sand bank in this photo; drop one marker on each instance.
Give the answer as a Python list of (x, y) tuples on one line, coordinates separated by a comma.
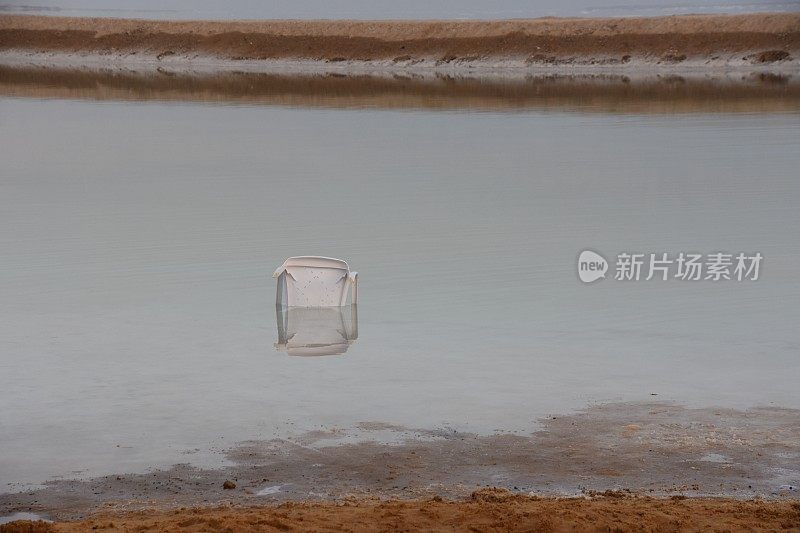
[(761, 92)]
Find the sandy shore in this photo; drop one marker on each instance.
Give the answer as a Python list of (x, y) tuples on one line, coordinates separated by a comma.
[(742, 41), (647, 450), (485, 510)]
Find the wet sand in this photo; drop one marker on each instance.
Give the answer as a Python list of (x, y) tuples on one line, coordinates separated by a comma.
[(485, 510), (693, 40), (757, 92), (652, 450)]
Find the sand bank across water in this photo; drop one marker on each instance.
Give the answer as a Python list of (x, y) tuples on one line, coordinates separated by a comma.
[(686, 41)]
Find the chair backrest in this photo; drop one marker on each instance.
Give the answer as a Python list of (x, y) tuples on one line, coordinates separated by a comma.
[(311, 281)]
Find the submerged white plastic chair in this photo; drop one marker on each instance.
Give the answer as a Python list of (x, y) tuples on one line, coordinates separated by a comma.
[(311, 281)]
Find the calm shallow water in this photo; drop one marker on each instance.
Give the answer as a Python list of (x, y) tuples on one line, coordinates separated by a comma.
[(137, 318)]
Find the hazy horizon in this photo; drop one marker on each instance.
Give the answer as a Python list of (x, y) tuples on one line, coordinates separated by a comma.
[(383, 9)]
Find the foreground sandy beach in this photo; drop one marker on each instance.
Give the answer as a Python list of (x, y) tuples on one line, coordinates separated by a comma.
[(686, 41), (485, 510), (677, 467)]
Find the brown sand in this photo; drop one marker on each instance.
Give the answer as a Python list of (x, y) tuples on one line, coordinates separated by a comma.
[(486, 510), (756, 38), (759, 92)]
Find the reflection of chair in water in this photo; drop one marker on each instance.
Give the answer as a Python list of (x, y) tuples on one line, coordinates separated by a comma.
[(316, 330), (312, 281)]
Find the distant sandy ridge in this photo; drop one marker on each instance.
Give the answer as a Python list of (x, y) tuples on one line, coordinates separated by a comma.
[(713, 40)]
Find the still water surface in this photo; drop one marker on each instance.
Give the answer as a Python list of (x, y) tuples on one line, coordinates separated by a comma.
[(137, 318)]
